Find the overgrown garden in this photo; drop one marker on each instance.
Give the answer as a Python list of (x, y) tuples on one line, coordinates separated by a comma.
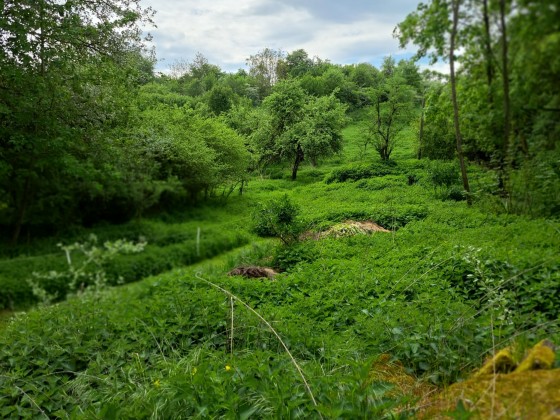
[(127, 197)]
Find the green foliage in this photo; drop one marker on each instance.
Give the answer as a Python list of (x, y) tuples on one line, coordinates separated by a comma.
[(438, 141), (299, 126), (220, 99), (160, 259), (534, 188), (279, 218), (392, 110), (201, 153), (297, 63), (172, 244), (88, 273), (444, 177), (264, 67), (505, 91), (515, 296), (287, 257), (412, 293), (357, 172), (438, 292), (63, 93)]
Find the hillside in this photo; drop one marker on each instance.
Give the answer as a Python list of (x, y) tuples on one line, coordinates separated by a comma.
[(444, 288)]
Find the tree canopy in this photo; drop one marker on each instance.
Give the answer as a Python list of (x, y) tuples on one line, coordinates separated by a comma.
[(88, 131)]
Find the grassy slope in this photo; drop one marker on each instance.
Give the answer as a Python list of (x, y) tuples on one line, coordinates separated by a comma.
[(163, 346)]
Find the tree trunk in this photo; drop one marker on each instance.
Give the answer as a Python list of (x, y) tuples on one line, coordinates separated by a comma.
[(20, 212), (299, 159), (505, 78), (421, 130), (455, 7), (488, 51)]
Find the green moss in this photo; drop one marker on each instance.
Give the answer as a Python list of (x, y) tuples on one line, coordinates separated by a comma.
[(541, 356), (518, 395), (531, 391), (502, 362)]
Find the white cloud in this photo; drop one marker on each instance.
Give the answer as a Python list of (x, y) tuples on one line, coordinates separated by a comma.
[(227, 32)]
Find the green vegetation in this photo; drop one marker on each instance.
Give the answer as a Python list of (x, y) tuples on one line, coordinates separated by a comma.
[(345, 179)]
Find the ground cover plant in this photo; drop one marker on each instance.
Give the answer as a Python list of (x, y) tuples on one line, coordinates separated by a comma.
[(438, 292), (168, 244), (407, 221)]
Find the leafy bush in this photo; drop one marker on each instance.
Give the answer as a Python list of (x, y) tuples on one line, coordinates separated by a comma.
[(399, 216), (279, 218), (535, 186), (443, 174), (357, 172), (444, 177), (15, 292), (156, 260), (377, 184), (528, 296), (88, 272)]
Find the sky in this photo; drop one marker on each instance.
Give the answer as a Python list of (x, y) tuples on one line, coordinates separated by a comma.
[(227, 32)]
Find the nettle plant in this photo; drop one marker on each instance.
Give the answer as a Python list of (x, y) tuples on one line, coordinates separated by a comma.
[(86, 271), (490, 279)]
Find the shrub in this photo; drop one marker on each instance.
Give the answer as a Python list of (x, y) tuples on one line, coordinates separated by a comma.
[(357, 172), (168, 250), (86, 271), (279, 218), (399, 216), (444, 176)]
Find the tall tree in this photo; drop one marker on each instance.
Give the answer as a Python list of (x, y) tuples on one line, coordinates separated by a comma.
[(488, 50), (296, 64), (59, 64), (455, 7), (299, 126), (263, 66), (392, 111), (434, 28), (505, 78)]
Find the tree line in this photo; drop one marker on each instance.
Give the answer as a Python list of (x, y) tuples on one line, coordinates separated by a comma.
[(89, 132), (505, 94)]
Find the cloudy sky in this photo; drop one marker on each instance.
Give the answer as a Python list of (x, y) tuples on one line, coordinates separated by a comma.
[(227, 32)]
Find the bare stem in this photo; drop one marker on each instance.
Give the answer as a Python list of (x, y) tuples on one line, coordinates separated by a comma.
[(294, 362)]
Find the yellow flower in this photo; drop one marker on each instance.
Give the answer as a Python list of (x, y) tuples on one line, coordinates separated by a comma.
[(157, 384), (193, 371), (228, 368)]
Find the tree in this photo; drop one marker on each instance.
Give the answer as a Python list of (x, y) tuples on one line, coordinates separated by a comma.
[(392, 111), (438, 138), (299, 126), (455, 4), (201, 153), (434, 28), (296, 64), (220, 99), (365, 75), (319, 132), (64, 75), (263, 66)]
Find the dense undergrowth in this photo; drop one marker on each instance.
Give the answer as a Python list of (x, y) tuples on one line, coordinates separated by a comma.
[(169, 245), (438, 292)]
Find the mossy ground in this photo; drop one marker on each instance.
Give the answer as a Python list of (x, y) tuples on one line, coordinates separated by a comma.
[(518, 395)]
